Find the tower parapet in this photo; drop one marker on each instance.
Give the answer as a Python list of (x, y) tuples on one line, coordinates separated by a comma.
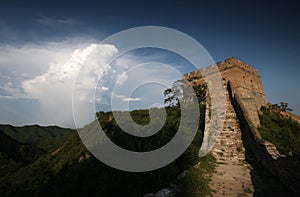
[(244, 80)]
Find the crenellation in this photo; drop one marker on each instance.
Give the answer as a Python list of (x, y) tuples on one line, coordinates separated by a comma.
[(186, 76), (219, 64), (233, 62), (210, 67), (192, 75)]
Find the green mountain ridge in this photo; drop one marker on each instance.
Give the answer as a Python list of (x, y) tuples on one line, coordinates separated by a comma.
[(47, 137), (17, 151)]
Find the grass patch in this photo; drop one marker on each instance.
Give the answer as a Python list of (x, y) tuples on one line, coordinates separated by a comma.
[(195, 182)]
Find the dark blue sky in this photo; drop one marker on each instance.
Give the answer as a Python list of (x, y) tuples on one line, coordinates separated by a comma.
[(262, 34)]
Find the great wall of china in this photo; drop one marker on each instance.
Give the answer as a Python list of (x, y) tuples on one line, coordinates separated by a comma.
[(240, 140)]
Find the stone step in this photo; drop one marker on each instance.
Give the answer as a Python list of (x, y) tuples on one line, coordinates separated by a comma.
[(229, 146)]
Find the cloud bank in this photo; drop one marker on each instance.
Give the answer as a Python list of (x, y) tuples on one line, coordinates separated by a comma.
[(42, 79)]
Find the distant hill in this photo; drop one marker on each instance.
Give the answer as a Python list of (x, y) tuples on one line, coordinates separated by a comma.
[(49, 137), (15, 155), (15, 150), (25, 169)]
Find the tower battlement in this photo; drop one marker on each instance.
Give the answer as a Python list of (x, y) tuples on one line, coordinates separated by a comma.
[(232, 69), (243, 78), (228, 64)]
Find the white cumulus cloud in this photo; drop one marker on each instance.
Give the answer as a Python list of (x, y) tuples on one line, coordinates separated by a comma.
[(54, 88)]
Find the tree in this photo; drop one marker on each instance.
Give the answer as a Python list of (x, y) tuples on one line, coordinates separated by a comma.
[(170, 97), (200, 91), (284, 107), (99, 114), (178, 92), (174, 94)]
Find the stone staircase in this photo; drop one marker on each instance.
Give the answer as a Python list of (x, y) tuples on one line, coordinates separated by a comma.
[(229, 146), (232, 174)]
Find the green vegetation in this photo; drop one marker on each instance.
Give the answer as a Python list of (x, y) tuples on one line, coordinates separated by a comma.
[(195, 182), (14, 155), (69, 169), (283, 132), (35, 177), (130, 142), (283, 106), (49, 138), (66, 173)]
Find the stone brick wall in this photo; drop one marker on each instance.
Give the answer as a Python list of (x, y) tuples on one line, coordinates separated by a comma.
[(285, 167), (247, 94)]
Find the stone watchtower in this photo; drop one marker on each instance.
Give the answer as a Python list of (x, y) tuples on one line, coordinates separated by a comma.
[(243, 80)]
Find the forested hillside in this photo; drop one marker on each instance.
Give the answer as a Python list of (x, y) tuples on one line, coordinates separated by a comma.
[(49, 137), (71, 170)]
